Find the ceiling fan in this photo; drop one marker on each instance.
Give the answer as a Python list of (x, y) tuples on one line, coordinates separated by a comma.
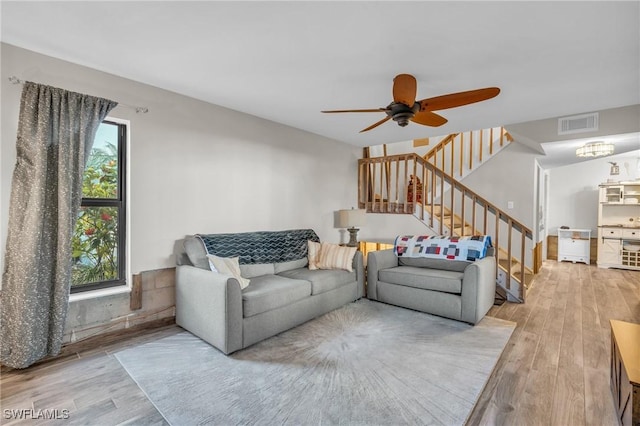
[(405, 107)]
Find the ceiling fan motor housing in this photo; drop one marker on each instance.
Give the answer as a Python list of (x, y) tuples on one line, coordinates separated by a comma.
[(401, 113)]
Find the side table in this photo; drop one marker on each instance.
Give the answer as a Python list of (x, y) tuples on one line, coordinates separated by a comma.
[(625, 371)]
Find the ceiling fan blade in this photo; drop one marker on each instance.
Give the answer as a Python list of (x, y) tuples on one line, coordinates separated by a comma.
[(453, 100), (404, 89), (376, 124), (357, 110), (428, 118)]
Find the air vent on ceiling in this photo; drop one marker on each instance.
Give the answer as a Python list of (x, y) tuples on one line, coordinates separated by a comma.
[(578, 124)]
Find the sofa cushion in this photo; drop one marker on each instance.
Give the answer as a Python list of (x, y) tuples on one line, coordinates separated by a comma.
[(268, 292), (425, 262), (322, 280), (427, 279), (292, 264), (255, 270)]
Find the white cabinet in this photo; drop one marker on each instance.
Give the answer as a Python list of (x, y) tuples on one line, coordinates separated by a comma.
[(619, 225), (609, 251), (574, 245)]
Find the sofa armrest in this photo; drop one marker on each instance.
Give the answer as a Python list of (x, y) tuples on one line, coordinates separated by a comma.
[(209, 305), (478, 289), (377, 261)]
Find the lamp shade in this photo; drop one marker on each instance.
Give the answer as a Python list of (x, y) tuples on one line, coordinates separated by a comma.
[(351, 218)]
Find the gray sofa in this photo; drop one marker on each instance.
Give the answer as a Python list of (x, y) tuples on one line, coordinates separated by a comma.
[(282, 294), (456, 289)]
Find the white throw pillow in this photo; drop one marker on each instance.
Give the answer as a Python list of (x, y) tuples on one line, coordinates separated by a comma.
[(333, 256), (314, 250), (229, 266), (211, 265)]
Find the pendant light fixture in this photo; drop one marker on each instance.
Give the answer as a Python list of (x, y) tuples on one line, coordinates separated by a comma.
[(595, 149)]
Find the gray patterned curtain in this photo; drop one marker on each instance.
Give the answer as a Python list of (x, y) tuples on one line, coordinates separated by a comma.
[(56, 129)]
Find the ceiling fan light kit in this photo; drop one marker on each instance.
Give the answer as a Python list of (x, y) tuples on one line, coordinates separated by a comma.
[(405, 108), (595, 149)]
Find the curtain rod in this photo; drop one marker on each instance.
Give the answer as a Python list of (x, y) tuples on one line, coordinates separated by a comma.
[(139, 110)]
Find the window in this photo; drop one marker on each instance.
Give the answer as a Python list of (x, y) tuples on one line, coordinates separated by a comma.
[(98, 245)]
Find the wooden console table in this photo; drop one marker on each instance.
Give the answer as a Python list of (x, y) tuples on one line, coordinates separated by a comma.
[(625, 371)]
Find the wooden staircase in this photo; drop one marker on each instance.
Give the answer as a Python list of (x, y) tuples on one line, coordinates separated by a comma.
[(424, 186)]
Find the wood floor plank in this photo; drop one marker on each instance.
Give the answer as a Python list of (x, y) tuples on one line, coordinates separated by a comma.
[(599, 407), (533, 408), (568, 403)]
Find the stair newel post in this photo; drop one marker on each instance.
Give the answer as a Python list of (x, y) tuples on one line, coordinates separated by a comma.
[(432, 195), (452, 189), (415, 183), (510, 257), (461, 152), (382, 203), (369, 183), (474, 201), (441, 183), (387, 172), (491, 141), (424, 189), (397, 184), (496, 243), (481, 147), (501, 136), (464, 219), (486, 218), (406, 172), (471, 150), (452, 150), (373, 184), (523, 281)]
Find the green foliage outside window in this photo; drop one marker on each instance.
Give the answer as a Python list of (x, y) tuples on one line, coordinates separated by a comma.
[(95, 240)]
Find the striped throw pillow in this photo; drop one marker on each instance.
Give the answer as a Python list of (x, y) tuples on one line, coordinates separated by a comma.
[(333, 256)]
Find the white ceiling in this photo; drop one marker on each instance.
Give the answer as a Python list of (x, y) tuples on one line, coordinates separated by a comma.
[(286, 61)]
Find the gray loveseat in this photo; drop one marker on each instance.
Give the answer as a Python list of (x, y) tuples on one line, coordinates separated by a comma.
[(456, 289), (282, 293)]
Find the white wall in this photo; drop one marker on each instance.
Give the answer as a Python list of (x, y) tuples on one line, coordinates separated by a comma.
[(508, 176), (196, 167), (573, 190)]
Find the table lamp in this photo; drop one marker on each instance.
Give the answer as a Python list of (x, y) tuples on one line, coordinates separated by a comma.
[(350, 219)]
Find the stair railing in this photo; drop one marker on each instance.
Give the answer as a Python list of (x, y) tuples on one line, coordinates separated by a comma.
[(460, 153), (409, 184)]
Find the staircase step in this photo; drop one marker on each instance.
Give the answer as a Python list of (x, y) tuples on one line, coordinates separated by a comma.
[(446, 220), (528, 278), (460, 231)]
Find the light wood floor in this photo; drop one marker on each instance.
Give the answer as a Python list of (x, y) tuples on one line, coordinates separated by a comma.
[(554, 371)]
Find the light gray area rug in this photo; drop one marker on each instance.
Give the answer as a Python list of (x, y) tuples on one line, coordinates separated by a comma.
[(366, 363)]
